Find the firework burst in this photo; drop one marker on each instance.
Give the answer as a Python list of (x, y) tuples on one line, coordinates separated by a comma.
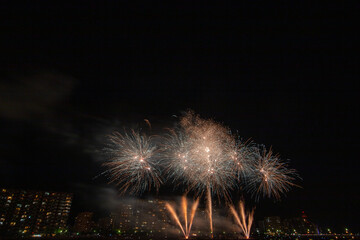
[(270, 177), (132, 162), (200, 153), (176, 155), (243, 158)]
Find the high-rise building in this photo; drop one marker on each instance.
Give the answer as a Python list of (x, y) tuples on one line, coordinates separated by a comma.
[(33, 212), (152, 218), (139, 219), (83, 222)]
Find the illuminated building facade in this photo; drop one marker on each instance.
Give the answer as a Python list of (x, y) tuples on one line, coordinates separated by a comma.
[(141, 219), (33, 212), (156, 221)]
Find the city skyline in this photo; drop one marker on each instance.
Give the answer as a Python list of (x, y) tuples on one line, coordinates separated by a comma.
[(280, 74), (142, 217)]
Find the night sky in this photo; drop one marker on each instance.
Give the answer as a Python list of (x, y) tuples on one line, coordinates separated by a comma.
[(283, 74)]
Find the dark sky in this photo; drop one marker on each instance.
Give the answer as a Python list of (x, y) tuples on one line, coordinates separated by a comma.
[(283, 74)]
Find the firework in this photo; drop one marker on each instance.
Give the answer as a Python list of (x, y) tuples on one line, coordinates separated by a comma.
[(243, 158), (205, 156), (186, 229), (270, 177), (176, 156), (209, 203), (245, 220), (132, 162), (199, 153)]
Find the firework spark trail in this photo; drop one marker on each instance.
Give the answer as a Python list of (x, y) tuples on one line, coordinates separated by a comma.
[(133, 163), (192, 214), (176, 218), (184, 209), (250, 220), (242, 214), (236, 216), (245, 220), (184, 206), (210, 212), (270, 177)]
